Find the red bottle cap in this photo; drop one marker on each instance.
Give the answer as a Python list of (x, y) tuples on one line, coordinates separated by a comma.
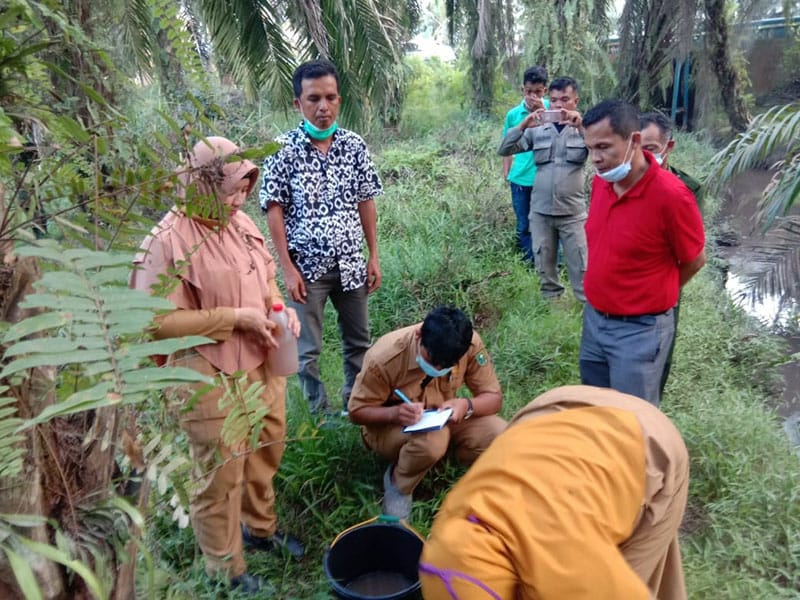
[(277, 307)]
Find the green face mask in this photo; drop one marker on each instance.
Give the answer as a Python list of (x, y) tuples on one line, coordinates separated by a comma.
[(317, 133)]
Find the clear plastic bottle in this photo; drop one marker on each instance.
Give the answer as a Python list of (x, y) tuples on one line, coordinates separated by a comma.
[(282, 361)]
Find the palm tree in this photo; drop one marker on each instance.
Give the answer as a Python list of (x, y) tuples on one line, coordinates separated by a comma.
[(773, 134), (260, 42), (569, 38), (653, 33), (479, 18)]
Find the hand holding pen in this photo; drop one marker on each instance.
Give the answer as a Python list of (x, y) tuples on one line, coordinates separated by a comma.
[(408, 413)]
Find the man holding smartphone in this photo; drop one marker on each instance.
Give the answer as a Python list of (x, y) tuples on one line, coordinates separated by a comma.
[(558, 203), (519, 170)]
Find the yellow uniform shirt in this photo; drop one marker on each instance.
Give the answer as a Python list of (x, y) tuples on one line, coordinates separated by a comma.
[(541, 513)]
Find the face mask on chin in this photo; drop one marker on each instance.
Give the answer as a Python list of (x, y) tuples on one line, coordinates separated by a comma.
[(316, 133), (619, 172), (430, 370)]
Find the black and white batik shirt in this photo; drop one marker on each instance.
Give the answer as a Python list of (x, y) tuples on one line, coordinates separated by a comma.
[(319, 194)]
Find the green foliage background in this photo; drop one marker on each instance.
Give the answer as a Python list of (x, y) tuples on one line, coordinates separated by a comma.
[(446, 235)]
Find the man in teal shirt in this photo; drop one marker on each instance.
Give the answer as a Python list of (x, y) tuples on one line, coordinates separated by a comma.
[(519, 170)]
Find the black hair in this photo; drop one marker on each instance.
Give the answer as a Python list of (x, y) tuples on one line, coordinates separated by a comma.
[(661, 121), (622, 116), (446, 335), (562, 83), (313, 69), (535, 74)]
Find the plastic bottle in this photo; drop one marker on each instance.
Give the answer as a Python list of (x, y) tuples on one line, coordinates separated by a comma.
[(282, 361)]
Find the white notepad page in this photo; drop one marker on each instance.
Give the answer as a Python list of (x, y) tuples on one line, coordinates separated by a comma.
[(431, 421)]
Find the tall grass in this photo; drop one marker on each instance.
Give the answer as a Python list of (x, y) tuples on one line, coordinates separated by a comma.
[(446, 235)]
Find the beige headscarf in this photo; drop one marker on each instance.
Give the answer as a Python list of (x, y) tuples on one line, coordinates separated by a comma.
[(219, 264)]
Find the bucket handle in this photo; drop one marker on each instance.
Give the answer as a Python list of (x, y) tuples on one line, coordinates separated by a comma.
[(381, 518)]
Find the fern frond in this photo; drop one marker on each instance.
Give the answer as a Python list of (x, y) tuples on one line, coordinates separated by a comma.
[(12, 450), (245, 410), (93, 324)]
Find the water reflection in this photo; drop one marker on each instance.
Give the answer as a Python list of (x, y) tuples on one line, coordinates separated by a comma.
[(781, 314)]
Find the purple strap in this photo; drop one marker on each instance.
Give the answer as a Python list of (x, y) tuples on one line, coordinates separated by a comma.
[(447, 575)]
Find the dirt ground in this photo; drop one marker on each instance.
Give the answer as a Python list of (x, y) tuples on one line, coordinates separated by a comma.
[(737, 222)]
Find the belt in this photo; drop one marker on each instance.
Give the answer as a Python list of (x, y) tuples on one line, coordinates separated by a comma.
[(606, 315)]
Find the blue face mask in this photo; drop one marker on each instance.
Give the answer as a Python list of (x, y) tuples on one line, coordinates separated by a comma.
[(430, 370), (319, 134), (619, 172)]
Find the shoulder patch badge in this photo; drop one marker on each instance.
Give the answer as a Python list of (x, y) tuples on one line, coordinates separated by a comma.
[(481, 358)]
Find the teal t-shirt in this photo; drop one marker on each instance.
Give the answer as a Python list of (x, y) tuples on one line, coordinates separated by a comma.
[(523, 169)]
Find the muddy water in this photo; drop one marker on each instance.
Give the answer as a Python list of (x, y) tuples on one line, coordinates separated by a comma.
[(737, 220), (378, 584)]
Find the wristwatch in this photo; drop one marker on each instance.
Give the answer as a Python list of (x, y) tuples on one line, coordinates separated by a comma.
[(469, 412)]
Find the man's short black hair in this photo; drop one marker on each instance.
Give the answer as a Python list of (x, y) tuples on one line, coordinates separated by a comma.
[(534, 75), (562, 83), (313, 69), (659, 120), (622, 116), (446, 335)]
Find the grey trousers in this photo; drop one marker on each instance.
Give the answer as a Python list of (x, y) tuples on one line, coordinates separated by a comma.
[(546, 231), (627, 354), (353, 319)]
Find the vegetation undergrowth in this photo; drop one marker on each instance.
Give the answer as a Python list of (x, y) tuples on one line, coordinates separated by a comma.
[(446, 235)]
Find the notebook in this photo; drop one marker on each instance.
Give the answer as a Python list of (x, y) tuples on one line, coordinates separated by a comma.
[(432, 420)]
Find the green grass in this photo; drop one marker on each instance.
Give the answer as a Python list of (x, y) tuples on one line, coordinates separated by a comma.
[(446, 235)]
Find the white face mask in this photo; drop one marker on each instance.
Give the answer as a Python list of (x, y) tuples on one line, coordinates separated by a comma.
[(661, 155), (619, 172)]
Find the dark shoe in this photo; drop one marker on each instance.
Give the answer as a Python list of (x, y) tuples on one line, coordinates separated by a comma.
[(278, 540), (253, 585)]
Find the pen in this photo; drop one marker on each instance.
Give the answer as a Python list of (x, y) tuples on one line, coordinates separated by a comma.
[(402, 396)]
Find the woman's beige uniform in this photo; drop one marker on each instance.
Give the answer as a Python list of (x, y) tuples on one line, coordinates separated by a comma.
[(218, 269)]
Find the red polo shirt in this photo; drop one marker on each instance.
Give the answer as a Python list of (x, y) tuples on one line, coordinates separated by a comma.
[(637, 241)]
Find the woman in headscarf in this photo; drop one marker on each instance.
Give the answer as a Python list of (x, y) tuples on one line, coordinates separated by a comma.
[(224, 285)]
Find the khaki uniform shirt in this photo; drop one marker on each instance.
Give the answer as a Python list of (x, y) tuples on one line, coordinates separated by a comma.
[(391, 364), (559, 189)]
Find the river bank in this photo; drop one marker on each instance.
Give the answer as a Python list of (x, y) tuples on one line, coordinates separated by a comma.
[(742, 244)]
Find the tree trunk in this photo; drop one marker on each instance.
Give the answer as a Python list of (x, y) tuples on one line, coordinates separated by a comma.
[(483, 54), (720, 57), (25, 494), (68, 462)]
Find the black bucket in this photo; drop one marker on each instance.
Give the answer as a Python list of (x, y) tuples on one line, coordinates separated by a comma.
[(374, 560)]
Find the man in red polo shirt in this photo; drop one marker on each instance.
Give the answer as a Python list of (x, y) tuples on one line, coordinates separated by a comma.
[(646, 240)]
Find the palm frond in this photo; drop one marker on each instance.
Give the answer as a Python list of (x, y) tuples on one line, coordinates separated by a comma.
[(138, 31), (776, 130), (651, 35), (771, 267), (311, 11), (364, 46), (249, 36)]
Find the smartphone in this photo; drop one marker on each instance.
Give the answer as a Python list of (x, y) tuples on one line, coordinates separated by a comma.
[(551, 116)]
